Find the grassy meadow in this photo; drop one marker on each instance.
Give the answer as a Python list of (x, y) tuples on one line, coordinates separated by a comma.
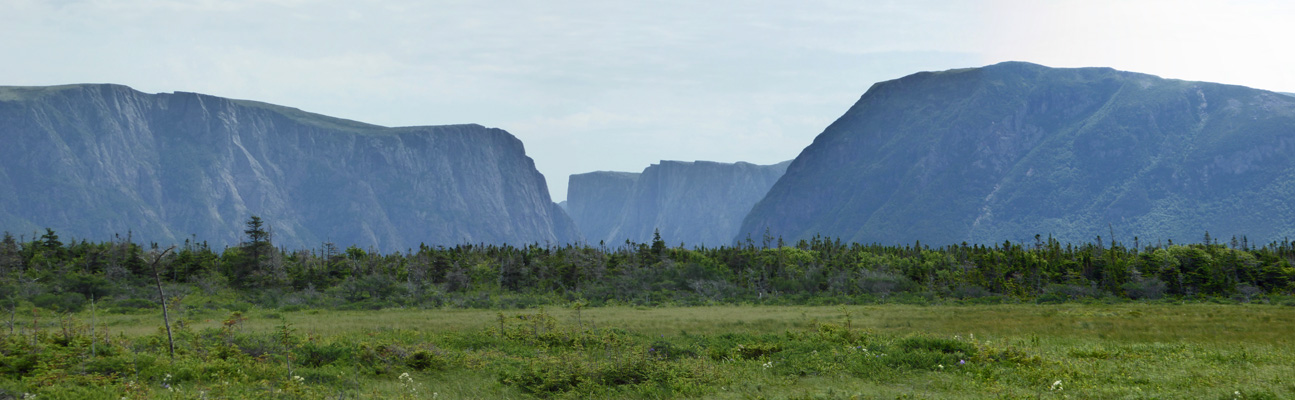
[(1069, 350)]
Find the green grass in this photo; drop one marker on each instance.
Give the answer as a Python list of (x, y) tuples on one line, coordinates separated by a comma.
[(726, 352)]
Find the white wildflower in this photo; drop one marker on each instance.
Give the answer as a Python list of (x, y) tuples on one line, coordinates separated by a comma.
[(1056, 385)]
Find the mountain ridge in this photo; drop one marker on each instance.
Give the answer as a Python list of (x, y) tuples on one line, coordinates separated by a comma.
[(164, 166), (1008, 151)]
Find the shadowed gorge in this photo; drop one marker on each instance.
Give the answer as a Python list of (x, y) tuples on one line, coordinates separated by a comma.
[(695, 203)]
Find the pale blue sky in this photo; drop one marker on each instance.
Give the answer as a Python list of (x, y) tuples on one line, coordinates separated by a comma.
[(605, 85)]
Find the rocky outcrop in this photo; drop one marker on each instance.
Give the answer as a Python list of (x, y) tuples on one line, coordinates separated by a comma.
[(694, 203), (1012, 150), (91, 161)]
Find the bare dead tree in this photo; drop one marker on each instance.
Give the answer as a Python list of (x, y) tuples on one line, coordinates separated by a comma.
[(166, 319)]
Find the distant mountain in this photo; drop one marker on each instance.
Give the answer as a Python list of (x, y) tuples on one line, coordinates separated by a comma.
[(91, 161), (695, 203), (595, 201), (1012, 150), (1288, 94)]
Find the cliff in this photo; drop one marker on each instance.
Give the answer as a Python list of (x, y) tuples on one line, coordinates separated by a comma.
[(595, 201), (694, 203), (91, 161)]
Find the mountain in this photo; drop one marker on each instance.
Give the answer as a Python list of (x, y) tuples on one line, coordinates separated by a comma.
[(91, 161), (1012, 150), (595, 201), (695, 203)]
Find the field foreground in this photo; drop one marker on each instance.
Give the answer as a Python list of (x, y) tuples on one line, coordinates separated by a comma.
[(1211, 351)]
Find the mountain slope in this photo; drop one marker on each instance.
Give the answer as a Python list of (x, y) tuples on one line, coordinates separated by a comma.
[(91, 161), (1012, 150), (695, 203)]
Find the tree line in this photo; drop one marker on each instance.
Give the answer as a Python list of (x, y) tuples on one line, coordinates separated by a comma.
[(50, 274)]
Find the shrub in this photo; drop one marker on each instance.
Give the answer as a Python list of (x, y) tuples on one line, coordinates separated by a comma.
[(970, 292), (132, 305), (423, 360), (64, 302), (1144, 289), (668, 351), (880, 283), (1057, 293), (315, 354), (937, 345), (755, 351)]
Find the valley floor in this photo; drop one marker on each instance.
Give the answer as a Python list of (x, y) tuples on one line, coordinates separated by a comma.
[(1128, 350)]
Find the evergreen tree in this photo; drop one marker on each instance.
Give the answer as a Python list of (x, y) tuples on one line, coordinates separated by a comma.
[(50, 241), (9, 258), (658, 245), (246, 268)]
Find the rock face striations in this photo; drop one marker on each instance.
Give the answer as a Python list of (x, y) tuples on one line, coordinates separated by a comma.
[(695, 203), (1012, 150), (91, 161)]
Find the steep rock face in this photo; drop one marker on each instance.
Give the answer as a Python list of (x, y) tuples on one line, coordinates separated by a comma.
[(595, 201), (695, 203), (1012, 150), (91, 161)]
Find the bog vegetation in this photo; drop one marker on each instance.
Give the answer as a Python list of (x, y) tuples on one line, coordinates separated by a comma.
[(802, 320)]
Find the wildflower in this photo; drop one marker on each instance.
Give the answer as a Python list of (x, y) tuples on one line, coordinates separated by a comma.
[(298, 379), (1056, 385), (941, 366), (962, 362), (767, 365)]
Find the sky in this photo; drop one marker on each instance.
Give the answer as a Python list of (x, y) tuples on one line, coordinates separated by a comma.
[(618, 85)]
